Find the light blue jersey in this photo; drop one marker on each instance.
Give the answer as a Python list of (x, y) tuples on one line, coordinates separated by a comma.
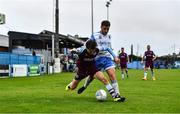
[(102, 42), (103, 59), (109, 50)]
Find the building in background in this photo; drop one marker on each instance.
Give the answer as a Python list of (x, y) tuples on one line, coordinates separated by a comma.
[(4, 43)]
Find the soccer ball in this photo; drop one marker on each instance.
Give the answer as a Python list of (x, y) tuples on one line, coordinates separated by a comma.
[(101, 95)]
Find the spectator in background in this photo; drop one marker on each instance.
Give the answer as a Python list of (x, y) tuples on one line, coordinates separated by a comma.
[(33, 53), (35, 61)]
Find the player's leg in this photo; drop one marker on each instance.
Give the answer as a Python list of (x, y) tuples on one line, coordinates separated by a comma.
[(152, 71), (88, 80), (72, 85), (126, 70), (152, 74), (81, 74), (109, 66), (127, 74), (145, 71), (100, 76), (99, 64), (112, 77), (91, 70), (123, 70), (122, 73), (145, 74)]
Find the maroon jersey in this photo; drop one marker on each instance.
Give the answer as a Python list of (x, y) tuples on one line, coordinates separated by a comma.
[(85, 57), (149, 55), (123, 58), (86, 64)]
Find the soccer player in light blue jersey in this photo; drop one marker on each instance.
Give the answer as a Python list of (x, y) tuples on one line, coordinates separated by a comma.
[(103, 59)]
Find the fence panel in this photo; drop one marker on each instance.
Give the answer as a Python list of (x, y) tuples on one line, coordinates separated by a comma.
[(9, 58)]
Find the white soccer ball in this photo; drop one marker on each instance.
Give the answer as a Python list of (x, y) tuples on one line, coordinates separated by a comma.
[(101, 95)]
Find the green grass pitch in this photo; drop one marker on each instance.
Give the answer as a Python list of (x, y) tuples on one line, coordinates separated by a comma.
[(47, 94)]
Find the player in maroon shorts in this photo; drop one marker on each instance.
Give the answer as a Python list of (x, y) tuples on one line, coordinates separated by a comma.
[(86, 67), (149, 58), (123, 62)]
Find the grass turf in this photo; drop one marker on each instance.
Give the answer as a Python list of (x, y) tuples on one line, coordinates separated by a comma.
[(47, 94)]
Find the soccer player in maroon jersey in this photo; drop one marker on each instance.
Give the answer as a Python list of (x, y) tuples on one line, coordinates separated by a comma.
[(86, 67), (123, 62), (149, 58)]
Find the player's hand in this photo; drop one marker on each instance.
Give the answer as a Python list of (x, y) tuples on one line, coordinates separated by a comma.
[(142, 62), (116, 59), (76, 69)]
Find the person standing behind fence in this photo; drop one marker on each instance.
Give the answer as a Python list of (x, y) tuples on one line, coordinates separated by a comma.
[(33, 53), (35, 61)]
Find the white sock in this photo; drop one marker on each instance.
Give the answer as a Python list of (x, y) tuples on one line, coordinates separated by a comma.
[(115, 86), (111, 90), (88, 80), (108, 87), (122, 76), (145, 74), (70, 84)]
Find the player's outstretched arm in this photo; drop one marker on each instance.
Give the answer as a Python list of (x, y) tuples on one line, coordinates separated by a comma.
[(109, 50), (143, 58), (154, 57), (116, 59)]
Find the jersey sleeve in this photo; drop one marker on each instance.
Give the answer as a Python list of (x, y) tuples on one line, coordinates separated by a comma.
[(92, 37), (144, 56), (109, 50), (110, 43), (80, 50)]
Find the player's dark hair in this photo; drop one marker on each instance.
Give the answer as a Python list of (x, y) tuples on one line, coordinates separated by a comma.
[(148, 47), (91, 44), (105, 23)]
